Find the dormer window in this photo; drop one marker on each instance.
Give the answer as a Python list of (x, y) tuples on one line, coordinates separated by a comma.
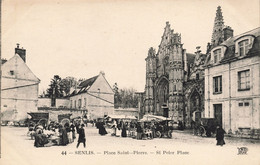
[(243, 47), (217, 55)]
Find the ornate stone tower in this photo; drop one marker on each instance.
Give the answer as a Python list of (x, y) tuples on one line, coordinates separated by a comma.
[(218, 35), (176, 78), (150, 78)]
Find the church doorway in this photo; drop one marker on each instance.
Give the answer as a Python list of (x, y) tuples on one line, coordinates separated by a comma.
[(195, 108), (163, 97)]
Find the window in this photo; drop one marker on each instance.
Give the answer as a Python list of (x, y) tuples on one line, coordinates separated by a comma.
[(217, 84), (79, 102), (217, 55), (11, 72), (197, 76), (85, 102), (240, 104), (174, 88), (243, 47), (246, 103), (75, 104), (244, 80)]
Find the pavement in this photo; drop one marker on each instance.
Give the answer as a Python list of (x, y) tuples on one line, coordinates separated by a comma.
[(182, 148)]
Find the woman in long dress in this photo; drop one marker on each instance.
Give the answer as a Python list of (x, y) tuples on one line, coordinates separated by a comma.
[(220, 136), (64, 136), (102, 129), (118, 130), (123, 134), (139, 131)]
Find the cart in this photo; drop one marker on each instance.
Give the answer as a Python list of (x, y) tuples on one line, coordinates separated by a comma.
[(64, 118), (38, 118), (207, 127), (163, 127)]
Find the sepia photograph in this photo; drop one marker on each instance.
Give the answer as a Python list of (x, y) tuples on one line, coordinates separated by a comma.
[(125, 82)]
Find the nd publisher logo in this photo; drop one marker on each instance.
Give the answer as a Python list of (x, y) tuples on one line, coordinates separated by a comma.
[(242, 150)]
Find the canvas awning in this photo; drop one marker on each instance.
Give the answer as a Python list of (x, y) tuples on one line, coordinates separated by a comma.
[(154, 118), (121, 117)]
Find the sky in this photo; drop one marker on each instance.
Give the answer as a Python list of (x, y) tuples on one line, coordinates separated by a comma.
[(81, 38)]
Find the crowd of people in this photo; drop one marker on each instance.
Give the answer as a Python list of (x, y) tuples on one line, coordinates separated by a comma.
[(62, 134), (56, 134), (134, 129)]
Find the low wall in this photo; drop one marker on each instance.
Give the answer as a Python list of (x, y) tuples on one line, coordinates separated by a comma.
[(127, 111)]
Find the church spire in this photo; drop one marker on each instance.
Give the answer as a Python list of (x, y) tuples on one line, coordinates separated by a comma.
[(217, 35)]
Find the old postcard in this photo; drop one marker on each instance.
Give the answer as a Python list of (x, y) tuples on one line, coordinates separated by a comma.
[(130, 82)]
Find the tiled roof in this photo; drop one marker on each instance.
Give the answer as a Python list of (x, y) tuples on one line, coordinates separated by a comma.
[(231, 41), (88, 82), (84, 86), (230, 44)]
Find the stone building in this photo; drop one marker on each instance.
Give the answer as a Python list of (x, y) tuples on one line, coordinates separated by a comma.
[(95, 97), (174, 80), (19, 88), (232, 93)]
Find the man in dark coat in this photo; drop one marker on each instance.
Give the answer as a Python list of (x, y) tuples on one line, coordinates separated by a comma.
[(220, 136), (82, 138)]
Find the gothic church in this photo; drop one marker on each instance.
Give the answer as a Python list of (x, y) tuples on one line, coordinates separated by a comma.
[(175, 79)]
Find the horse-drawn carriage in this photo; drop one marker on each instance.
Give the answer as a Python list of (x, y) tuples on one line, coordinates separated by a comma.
[(163, 126), (164, 129), (64, 118), (38, 118), (207, 127)]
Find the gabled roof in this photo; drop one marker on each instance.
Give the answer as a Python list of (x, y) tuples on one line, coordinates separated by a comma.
[(230, 44), (88, 82), (231, 41), (84, 86), (22, 71)]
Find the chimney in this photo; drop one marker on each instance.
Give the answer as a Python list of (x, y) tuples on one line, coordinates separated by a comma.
[(3, 60), (228, 32), (21, 52)]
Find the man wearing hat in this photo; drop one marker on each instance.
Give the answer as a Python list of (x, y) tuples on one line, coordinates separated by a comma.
[(82, 138)]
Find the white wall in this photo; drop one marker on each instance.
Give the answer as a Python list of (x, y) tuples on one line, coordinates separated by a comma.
[(234, 116)]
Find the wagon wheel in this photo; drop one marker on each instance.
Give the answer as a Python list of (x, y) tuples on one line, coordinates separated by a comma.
[(31, 124), (202, 131), (169, 134), (158, 134), (42, 122), (64, 121)]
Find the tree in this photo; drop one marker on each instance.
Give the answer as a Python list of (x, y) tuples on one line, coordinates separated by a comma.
[(117, 99), (55, 90), (67, 83), (125, 97)]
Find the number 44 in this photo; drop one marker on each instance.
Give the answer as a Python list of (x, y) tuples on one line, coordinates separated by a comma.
[(64, 153)]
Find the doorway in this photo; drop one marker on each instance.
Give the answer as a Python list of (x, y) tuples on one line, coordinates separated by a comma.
[(218, 113), (165, 112)]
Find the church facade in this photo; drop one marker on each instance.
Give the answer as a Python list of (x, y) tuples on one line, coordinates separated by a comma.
[(174, 80)]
